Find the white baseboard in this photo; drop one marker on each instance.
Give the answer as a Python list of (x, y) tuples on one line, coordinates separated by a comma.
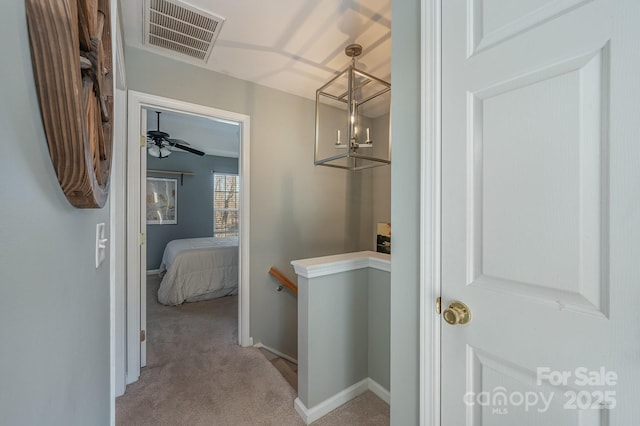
[(377, 388), (153, 272), (301, 410), (310, 415), (276, 352)]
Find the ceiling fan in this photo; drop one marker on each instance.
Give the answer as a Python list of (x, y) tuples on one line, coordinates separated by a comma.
[(159, 143)]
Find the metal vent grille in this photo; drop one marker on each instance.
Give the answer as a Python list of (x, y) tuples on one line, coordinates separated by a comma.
[(181, 28)]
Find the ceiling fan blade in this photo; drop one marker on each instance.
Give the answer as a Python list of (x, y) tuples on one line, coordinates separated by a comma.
[(188, 149), (173, 141)]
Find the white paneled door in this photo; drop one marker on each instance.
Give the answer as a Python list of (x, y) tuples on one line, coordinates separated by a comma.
[(540, 212)]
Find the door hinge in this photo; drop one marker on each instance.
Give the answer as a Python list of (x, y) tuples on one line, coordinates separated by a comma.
[(142, 238), (143, 141), (438, 305), (143, 335)]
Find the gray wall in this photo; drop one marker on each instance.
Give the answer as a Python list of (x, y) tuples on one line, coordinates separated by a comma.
[(344, 332), (195, 199), (297, 210), (379, 327), (336, 317), (381, 177), (405, 212), (54, 309)]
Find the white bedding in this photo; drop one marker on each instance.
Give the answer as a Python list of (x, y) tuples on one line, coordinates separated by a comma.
[(198, 269)]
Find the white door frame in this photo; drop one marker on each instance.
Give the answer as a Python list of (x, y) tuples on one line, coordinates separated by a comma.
[(138, 101), (117, 219), (430, 204)]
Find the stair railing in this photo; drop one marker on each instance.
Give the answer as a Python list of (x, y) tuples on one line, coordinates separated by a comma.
[(284, 281)]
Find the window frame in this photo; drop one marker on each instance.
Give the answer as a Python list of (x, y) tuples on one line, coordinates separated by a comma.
[(226, 233)]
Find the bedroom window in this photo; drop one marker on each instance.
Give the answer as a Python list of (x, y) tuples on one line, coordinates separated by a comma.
[(226, 188)]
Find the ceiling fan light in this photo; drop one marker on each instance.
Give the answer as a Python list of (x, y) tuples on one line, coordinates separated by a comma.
[(154, 151), (164, 152)]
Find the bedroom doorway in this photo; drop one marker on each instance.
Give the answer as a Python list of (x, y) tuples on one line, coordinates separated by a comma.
[(142, 108)]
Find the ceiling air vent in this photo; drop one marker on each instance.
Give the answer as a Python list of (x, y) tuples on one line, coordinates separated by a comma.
[(181, 28)]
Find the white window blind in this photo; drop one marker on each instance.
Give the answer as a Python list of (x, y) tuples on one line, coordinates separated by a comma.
[(226, 188)]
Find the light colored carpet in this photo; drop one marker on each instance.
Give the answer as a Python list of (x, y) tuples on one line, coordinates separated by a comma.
[(196, 374), (287, 372)]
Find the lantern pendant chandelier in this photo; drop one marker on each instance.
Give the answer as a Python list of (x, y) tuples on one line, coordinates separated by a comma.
[(348, 109)]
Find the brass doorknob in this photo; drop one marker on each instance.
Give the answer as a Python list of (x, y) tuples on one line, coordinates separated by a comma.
[(457, 313)]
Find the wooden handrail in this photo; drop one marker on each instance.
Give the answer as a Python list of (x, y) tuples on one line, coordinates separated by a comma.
[(283, 280)]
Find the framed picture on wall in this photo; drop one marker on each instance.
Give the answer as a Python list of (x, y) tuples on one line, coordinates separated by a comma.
[(162, 201)]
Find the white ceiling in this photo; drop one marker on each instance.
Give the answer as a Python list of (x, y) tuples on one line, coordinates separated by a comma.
[(292, 45), (213, 137)]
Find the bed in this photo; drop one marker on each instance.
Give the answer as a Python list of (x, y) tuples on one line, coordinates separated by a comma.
[(197, 269)]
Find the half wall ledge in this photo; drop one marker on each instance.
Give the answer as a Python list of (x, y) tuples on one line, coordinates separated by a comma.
[(328, 265), (343, 330)]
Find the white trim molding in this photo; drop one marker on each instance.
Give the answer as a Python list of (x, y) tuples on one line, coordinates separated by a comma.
[(379, 390), (328, 265), (138, 101), (118, 238), (430, 202), (117, 221), (310, 415), (276, 352)]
